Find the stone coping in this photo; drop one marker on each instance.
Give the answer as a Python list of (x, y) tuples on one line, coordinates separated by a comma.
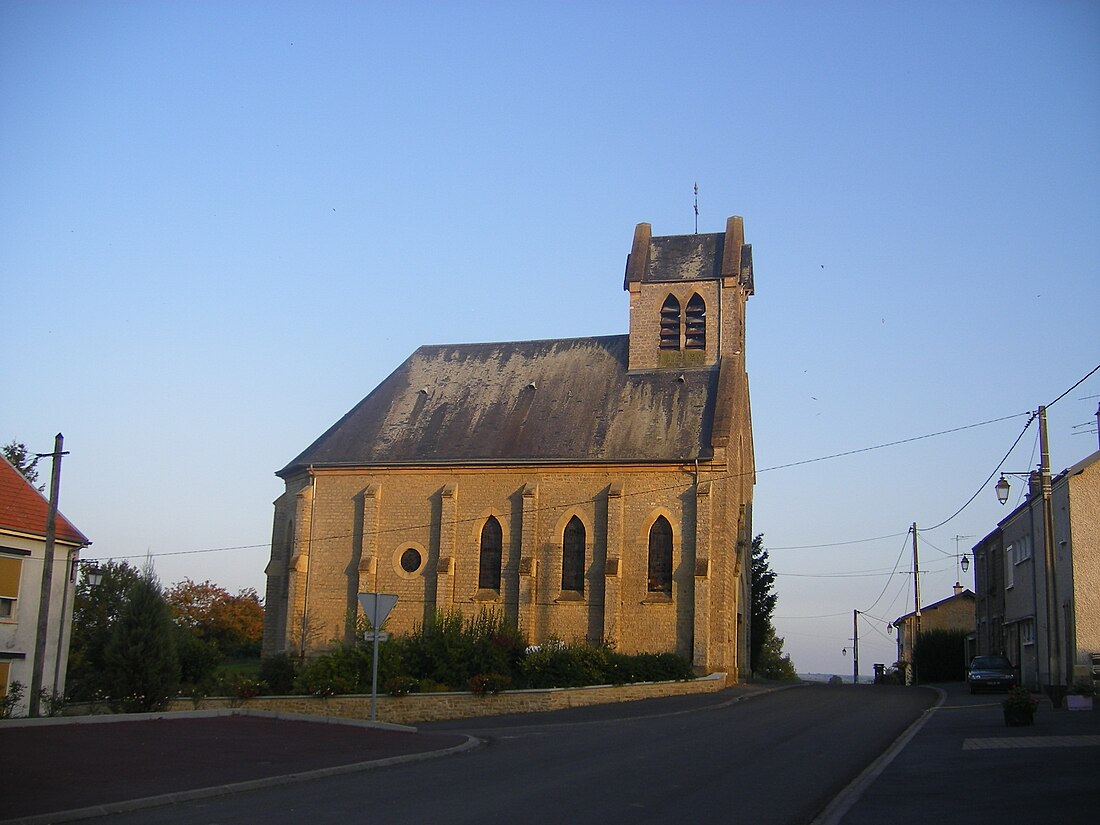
[(400, 711)]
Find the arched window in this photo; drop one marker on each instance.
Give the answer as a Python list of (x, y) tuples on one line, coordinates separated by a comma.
[(660, 557), (670, 323), (695, 333), (492, 541), (572, 556)]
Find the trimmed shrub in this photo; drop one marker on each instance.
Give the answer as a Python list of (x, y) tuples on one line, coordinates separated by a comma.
[(278, 673)]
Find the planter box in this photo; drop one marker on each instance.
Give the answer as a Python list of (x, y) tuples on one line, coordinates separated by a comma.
[(1074, 702)]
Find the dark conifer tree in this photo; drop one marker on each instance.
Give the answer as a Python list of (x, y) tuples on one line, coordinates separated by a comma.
[(141, 668)]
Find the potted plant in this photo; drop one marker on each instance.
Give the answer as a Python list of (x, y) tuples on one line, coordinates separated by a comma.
[(1019, 707), (1080, 695)]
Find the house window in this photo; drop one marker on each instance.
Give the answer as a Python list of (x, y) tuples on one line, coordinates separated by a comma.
[(1027, 632), (696, 329), (1022, 550), (572, 556), (9, 585), (1010, 568), (660, 557), (492, 544), (670, 324)]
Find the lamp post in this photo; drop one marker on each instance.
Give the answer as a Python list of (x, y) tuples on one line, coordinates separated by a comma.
[(1054, 685)]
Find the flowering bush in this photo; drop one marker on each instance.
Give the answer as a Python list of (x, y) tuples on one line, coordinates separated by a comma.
[(488, 684), (401, 685), (1020, 699), (10, 699)]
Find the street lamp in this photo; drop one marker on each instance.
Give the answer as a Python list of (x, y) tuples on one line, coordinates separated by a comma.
[(92, 574), (965, 563), (1002, 488)]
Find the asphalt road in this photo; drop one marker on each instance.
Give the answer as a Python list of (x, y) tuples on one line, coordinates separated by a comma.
[(778, 758)]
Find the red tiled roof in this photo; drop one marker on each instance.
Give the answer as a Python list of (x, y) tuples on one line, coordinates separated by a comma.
[(25, 510)]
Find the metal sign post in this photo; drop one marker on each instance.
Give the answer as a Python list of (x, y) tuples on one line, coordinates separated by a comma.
[(376, 606)]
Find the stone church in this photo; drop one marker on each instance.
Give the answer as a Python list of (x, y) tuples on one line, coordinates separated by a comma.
[(594, 488)]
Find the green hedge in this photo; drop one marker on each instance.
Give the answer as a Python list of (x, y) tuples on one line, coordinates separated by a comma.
[(453, 652)]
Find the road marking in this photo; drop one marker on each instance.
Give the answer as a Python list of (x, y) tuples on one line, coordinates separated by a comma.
[(1001, 742), (968, 707)]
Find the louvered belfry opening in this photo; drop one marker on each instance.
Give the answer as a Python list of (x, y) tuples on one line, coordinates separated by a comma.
[(696, 332), (670, 324)]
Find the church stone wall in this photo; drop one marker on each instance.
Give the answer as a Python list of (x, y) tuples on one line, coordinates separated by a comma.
[(353, 527)]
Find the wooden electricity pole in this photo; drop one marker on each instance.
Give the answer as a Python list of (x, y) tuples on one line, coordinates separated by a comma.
[(47, 580), (916, 601)]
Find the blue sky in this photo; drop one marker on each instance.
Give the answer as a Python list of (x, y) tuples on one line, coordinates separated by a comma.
[(222, 224)]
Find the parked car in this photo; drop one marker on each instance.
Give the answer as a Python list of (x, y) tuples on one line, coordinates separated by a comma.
[(990, 673)]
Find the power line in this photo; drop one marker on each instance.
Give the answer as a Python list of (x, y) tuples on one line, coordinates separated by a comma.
[(892, 443), (996, 470), (718, 478), (838, 543), (896, 563), (1075, 386)]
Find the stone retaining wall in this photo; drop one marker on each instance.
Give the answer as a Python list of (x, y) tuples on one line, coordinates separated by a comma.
[(433, 707)]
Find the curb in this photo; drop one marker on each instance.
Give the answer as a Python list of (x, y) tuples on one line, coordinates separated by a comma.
[(213, 713), (842, 803)]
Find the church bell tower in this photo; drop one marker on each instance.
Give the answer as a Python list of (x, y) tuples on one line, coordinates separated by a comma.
[(687, 297)]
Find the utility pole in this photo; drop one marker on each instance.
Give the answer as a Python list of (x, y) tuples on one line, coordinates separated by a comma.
[(916, 599), (1054, 678), (47, 578), (855, 648)]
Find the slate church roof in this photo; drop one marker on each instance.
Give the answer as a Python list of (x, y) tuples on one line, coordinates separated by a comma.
[(528, 401)]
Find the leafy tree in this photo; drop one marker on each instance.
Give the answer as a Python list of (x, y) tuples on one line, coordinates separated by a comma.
[(95, 610), (141, 667), (773, 662), (24, 461), (233, 624)]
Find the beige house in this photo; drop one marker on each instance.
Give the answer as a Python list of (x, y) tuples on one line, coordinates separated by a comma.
[(1011, 576), (592, 488), (23, 515), (956, 612)]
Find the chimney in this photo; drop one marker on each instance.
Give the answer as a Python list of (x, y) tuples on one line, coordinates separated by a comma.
[(958, 588)]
